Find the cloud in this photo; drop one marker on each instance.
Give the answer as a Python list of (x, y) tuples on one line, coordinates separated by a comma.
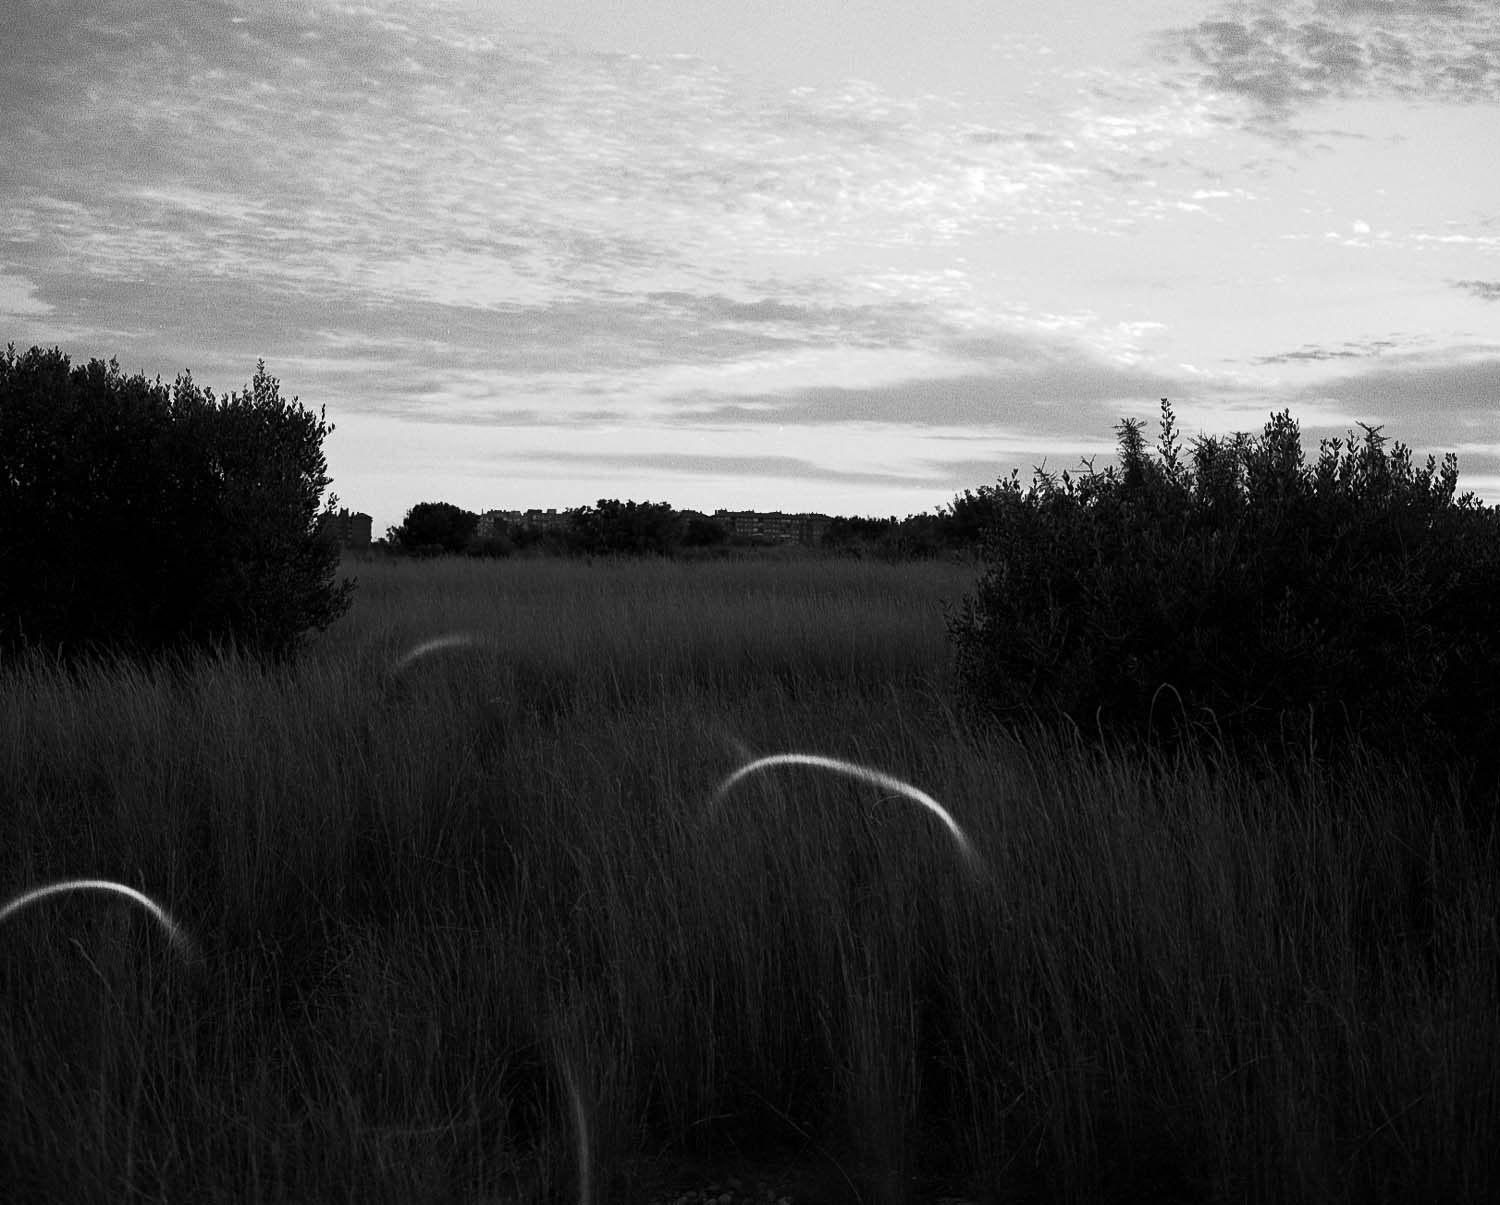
[(1485, 290), (1286, 55), (449, 159), (1345, 351), (769, 321), (1056, 398), (368, 155), (792, 468), (1424, 402), (17, 298), (1465, 382)]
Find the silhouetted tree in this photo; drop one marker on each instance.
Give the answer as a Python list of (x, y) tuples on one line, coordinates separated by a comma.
[(439, 526), (140, 518), (625, 528), (700, 531), (970, 517)]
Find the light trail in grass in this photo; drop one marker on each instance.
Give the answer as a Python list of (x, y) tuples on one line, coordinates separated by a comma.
[(863, 774), (434, 645), (179, 936)]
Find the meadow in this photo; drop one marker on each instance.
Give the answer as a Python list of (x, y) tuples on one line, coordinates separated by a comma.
[(473, 920)]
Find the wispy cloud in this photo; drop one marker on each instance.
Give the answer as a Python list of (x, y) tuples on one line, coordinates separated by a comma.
[(1345, 351), (786, 468), (18, 299), (422, 211), (998, 384), (335, 150), (1287, 55), (251, 165)]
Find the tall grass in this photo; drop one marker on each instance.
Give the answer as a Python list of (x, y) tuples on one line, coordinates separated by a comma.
[(472, 927)]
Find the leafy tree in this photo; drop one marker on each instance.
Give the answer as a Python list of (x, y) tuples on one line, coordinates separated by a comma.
[(435, 527), (140, 518), (1246, 595), (968, 518), (701, 531), (625, 528)]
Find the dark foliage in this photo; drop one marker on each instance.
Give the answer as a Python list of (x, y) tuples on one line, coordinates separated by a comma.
[(139, 519), (434, 526), (968, 519), (700, 531), (859, 536), (957, 530), (1245, 596), (615, 528)]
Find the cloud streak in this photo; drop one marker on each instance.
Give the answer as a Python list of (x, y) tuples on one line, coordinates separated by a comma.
[(1485, 290)]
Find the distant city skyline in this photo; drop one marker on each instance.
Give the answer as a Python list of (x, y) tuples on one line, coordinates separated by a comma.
[(848, 260)]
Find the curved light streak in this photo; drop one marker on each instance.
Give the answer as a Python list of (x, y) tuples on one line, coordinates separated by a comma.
[(175, 932), (866, 775)]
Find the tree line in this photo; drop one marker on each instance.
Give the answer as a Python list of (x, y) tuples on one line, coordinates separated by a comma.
[(612, 527)]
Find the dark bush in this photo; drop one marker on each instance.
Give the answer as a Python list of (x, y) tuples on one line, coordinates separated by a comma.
[(956, 531), (439, 526), (700, 531), (138, 519), (1278, 608), (616, 528), (969, 517)]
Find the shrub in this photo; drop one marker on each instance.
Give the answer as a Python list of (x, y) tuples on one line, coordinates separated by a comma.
[(438, 526), (700, 531), (140, 519), (1284, 607), (616, 528)]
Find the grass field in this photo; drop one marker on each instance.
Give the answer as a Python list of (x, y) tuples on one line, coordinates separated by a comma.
[(471, 925)]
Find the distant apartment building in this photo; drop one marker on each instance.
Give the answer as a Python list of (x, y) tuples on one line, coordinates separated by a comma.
[(545, 520), (494, 523), (806, 529), (348, 530)]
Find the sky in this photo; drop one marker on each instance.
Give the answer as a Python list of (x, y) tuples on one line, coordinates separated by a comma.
[(851, 258)]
